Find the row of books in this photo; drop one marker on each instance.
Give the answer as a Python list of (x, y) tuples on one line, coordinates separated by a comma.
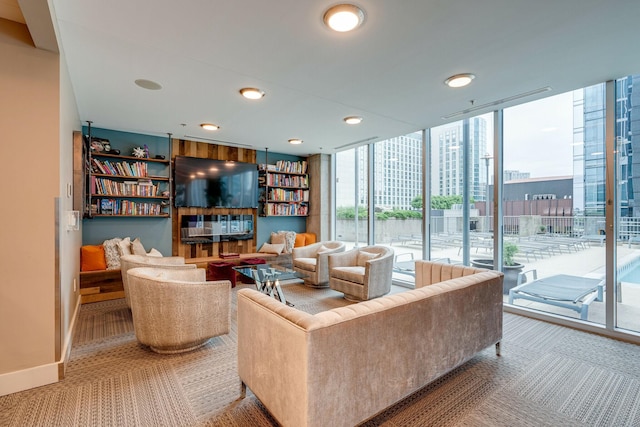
[(126, 207), (285, 181), (108, 187), (291, 167), (108, 167), (283, 195), (279, 209), (285, 166)]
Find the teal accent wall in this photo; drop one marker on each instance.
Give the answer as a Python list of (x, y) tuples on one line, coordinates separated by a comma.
[(153, 232)]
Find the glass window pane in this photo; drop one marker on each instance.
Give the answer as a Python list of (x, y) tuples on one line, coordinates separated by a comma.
[(351, 197), (553, 201)]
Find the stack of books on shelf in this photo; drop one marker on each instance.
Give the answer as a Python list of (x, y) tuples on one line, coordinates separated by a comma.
[(283, 195), (275, 180), (108, 187), (291, 167), (279, 209), (106, 167), (127, 207)]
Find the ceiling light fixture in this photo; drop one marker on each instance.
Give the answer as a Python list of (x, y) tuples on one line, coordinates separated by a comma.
[(459, 80), (344, 17), (295, 141), (251, 93), (209, 126), (353, 120)]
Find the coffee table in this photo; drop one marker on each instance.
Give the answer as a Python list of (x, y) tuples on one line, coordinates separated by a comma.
[(267, 278)]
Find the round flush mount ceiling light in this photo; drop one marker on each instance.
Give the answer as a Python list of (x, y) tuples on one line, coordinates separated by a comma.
[(344, 17), (459, 80), (353, 120), (148, 84), (209, 126), (251, 93), (295, 141)]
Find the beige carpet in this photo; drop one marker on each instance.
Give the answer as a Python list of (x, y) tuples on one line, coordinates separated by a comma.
[(547, 376)]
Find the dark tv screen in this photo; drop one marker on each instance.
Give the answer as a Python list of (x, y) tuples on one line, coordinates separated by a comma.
[(208, 183)]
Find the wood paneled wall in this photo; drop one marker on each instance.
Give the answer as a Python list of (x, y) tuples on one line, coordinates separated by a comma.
[(181, 147)]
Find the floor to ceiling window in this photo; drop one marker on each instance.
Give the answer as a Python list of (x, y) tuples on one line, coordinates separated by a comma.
[(397, 201), (352, 196), (568, 221), (553, 149)]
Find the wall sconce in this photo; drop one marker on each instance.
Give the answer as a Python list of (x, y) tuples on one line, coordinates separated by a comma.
[(73, 220)]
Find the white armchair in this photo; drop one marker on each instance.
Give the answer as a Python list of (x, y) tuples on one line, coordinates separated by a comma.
[(132, 261), (178, 310), (312, 261), (362, 273)]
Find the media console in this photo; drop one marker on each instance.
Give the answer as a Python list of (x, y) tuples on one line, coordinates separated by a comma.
[(215, 228)]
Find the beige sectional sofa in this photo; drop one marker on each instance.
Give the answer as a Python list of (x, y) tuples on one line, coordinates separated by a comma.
[(342, 366)]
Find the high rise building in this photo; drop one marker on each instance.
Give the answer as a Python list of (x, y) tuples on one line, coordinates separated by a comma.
[(589, 154), (449, 158)]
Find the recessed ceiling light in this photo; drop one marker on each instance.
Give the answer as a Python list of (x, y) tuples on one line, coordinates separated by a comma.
[(148, 84), (295, 141), (209, 126), (251, 93), (353, 120), (344, 17), (459, 80)]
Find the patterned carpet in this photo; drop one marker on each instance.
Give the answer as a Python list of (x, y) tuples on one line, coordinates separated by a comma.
[(547, 376)]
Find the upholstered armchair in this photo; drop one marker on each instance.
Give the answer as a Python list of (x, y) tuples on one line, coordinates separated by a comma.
[(132, 261), (362, 273), (312, 261), (178, 310)]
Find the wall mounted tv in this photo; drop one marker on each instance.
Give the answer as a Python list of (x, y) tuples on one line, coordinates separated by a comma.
[(207, 183)]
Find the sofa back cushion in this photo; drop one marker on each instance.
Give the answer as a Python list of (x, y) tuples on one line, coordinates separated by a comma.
[(92, 258), (429, 272)]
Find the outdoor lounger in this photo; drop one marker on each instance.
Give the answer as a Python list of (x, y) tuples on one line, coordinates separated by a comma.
[(561, 290)]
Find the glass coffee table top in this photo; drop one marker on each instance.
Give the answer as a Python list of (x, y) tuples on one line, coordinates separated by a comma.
[(267, 278), (267, 271)]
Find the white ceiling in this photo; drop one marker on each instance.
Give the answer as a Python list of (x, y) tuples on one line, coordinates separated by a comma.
[(390, 71)]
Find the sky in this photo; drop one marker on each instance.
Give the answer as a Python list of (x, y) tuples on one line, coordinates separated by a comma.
[(538, 137)]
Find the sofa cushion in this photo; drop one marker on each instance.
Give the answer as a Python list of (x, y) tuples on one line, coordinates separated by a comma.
[(137, 248), (350, 274), (364, 256), (272, 248), (289, 240), (154, 252), (305, 263), (92, 258), (124, 246)]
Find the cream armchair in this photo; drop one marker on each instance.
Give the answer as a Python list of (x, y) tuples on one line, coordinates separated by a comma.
[(132, 261), (178, 310), (312, 261), (362, 273)]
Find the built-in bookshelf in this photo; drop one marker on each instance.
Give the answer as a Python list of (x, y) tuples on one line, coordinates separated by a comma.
[(124, 186), (284, 189)]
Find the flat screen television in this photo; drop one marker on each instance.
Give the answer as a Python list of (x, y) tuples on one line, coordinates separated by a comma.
[(207, 183)]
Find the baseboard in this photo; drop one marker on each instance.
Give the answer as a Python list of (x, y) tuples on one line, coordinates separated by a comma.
[(13, 382)]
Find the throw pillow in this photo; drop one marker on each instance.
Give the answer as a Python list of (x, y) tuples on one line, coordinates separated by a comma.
[(277, 238), (92, 258), (154, 252), (363, 257), (124, 246), (300, 240), (137, 248), (271, 248), (111, 254), (289, 241)]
